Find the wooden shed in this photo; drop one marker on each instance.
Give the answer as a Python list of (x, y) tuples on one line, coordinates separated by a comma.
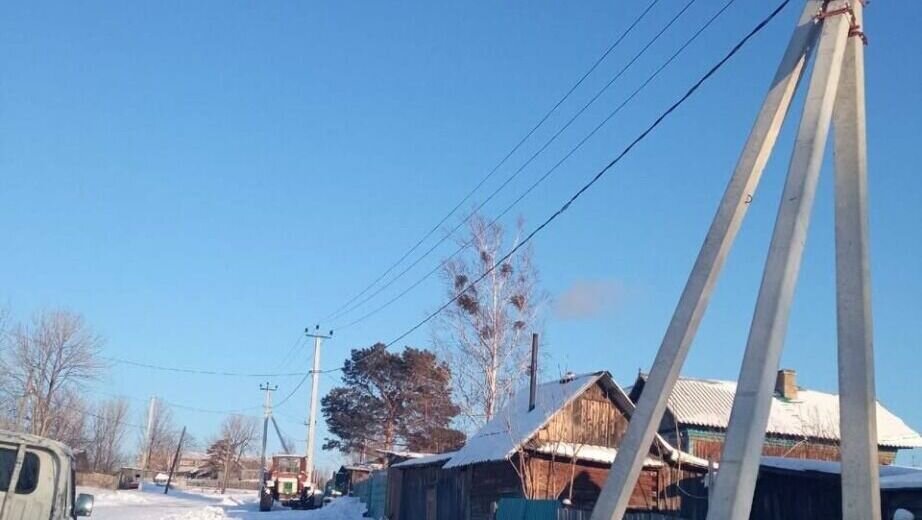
[(560, 447), (806, 489)]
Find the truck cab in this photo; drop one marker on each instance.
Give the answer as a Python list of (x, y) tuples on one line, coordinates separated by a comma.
[(287, 483), (37, 480)]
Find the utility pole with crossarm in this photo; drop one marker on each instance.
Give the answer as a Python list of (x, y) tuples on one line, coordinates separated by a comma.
[(831, 30), (312, 409)]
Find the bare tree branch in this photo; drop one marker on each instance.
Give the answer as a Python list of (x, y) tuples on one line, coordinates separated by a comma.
[(484, 335)]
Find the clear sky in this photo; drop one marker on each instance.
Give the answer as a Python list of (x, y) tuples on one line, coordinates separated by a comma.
[(203, 180)]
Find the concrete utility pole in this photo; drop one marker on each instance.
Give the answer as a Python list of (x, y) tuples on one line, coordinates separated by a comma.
[(836, 92), (150, 441), (267, 414), (315, 390)]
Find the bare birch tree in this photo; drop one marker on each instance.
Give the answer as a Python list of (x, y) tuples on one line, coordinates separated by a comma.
[(484, 334), (45, 364)]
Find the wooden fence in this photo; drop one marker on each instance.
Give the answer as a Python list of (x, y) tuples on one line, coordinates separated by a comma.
[(522, 509), (373, 493)]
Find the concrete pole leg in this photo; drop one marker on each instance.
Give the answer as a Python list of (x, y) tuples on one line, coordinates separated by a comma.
[(857, 401), (739, 465), (645, 420), (312, 412)]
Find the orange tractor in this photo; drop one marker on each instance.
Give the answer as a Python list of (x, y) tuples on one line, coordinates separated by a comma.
[(286, 483)]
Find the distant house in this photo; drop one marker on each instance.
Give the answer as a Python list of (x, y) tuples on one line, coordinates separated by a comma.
[(349, 475), (803, 423), (193, 465), (559, 447), (390, 457)]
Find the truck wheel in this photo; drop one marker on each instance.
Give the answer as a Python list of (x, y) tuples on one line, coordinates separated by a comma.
[(265, 502)]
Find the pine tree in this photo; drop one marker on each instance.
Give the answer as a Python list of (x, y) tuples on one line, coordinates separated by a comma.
[(392, 401)]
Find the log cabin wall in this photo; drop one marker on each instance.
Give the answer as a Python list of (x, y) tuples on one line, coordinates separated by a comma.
[(490, 481), (592, 418), (708, 444), (664, 488)]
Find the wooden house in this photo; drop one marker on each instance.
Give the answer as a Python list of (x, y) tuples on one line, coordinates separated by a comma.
[(558, 447), (803, 423), (348, 475)]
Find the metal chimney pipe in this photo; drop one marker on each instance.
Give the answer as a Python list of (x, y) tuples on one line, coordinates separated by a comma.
[(533, 390)]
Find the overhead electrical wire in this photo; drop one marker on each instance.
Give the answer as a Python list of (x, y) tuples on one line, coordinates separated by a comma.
[(297, 387), (113, 419), (524, 165), (340, 310), (232, 411), (579, 145), (293, 390), (296, 347), (595, 178), (197, 371)]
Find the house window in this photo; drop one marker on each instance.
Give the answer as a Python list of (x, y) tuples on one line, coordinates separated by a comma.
[(28, 475)]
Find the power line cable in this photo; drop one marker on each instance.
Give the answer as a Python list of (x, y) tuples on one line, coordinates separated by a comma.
[(112, 419), (196, 371), (297, 387), (339, 311), (521, 168), (293, 391), (541, 179), (296, 347), (233, 411), (643, 135)]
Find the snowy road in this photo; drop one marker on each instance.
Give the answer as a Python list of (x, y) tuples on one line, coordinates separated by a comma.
[(152, 504)]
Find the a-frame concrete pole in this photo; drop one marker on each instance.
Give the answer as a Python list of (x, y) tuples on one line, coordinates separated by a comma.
[(645, 420), (739, 464), (857, 401)]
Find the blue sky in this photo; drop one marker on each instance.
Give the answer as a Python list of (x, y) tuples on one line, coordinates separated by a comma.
[(204, 180)]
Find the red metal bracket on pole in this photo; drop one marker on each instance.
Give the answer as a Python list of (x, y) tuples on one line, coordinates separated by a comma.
[(854, 28)]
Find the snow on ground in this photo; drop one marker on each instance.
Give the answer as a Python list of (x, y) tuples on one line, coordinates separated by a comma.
[(188, 504)]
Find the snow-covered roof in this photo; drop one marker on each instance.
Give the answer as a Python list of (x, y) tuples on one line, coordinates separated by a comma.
[(891, 476), (515, 424), (362, 467), (426, 460), (814, 414), (586, 452), (404, 454)]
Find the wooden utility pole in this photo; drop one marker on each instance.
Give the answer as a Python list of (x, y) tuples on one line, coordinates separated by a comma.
[(169, 479), (835, 92)]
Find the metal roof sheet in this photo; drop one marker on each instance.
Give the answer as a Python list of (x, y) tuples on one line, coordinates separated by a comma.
[(814, 414)]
